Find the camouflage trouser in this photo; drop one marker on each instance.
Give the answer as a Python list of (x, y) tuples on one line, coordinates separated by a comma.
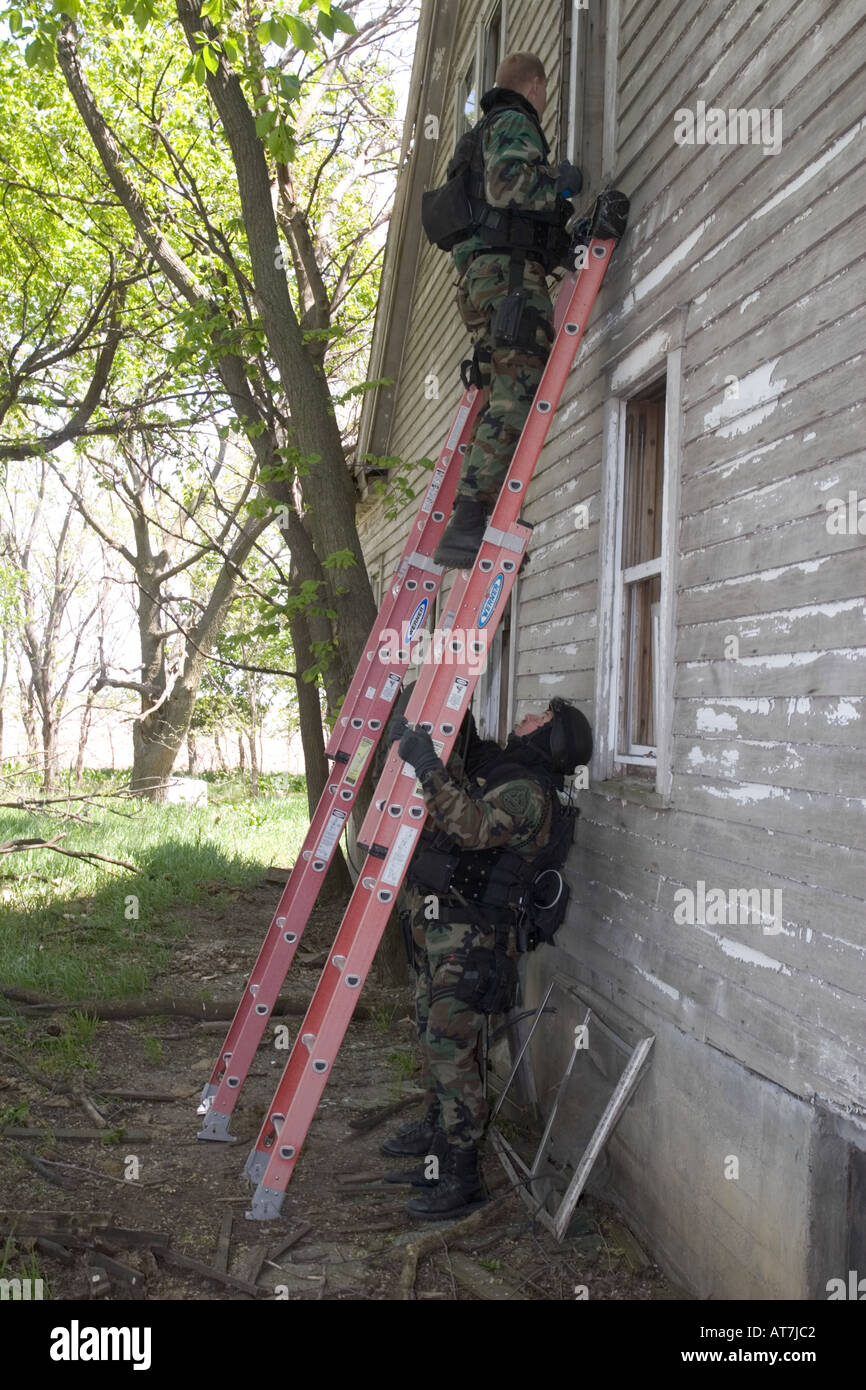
[(449, 1031), (510, 374)]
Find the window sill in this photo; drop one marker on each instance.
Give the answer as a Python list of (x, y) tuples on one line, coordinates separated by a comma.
[(631, 789)]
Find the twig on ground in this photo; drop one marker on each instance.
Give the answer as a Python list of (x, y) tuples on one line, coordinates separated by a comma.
[(20, 846), (371, 1119), (426, 1244), (35, 1003)]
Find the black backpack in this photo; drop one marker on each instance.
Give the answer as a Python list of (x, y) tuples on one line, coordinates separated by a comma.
[(457, 209), (450, 213)]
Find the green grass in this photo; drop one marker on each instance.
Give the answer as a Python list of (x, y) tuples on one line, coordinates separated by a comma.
[(16, 1264), (97, 931), (403, 1063)]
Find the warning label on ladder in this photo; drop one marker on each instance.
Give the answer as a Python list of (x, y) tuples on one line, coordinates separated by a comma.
[(398, 858), (333, 831), (353, 771), (456, 693), (391, 686)]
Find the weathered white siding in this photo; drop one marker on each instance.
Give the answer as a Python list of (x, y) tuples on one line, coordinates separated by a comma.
[(754, 265)]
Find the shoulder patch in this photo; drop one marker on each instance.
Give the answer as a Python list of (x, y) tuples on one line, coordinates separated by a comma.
[(516, 799)]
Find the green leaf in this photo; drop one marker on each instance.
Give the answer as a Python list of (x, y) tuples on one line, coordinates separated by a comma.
[(302, 35), (281, 145), (326, 26), (33, 52), (213, 9), (188, 71), (279, 33), (230, 49), (290, 85), (339, 560), (15, 21), (324, 6), (199, 70), (343, 21), (211, 60), (265, 122), (142, 16), (72, 8), (263, 33)]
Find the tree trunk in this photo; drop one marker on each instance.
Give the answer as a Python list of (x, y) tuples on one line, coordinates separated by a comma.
[(191, 752), (338, 882), (83, 736), (254, 765), (251, 732), (219, 752), (4, 680), (28, 718), (50, 757)]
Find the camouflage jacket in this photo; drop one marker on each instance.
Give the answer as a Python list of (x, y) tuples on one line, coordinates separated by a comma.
[(516, 172), (516, 815)]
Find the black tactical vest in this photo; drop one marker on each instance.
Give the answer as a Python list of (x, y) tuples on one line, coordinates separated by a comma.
[(458, 209)]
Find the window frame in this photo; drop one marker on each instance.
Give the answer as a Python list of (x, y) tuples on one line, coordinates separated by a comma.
[(482, 27), (657, 359)]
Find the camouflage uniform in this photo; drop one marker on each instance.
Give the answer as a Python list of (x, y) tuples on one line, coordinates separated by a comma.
[(515, 175), (517, 815)]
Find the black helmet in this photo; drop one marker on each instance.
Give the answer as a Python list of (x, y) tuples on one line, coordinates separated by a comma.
[(570, 737)]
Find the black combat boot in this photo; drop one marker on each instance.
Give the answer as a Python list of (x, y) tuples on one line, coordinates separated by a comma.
[(463, 535), (413, 1139), (418, 1177), (458, 1192)]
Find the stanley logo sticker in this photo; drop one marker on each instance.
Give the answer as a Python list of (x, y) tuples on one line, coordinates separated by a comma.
[(491, 601), (416, 619)]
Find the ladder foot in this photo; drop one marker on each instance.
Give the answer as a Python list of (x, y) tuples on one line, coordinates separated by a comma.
[(266, 1204), (255, 1166), (207, 1095), (216, 1127)]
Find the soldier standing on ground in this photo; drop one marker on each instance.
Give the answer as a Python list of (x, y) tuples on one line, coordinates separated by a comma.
[(463, 957)]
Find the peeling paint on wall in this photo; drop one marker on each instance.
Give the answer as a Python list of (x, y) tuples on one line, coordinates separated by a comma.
[(710, 721), (756, 398)]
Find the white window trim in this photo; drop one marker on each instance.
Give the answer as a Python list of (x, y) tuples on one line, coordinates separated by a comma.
[(611, 75), (606, 762), (574, 132)]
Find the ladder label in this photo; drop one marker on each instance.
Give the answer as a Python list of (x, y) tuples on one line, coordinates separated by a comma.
[(491, 601), (354, 769), (391, 686), (435, 484), (398, 858), (370, 692), (456, 693), (457, 428), (333, 831), (416, 619)]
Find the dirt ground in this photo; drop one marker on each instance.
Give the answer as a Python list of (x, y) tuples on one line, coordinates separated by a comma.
[(347, 1232)]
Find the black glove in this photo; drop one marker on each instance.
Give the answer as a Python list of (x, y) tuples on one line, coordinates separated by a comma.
[(416, 747), (570, 180)]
